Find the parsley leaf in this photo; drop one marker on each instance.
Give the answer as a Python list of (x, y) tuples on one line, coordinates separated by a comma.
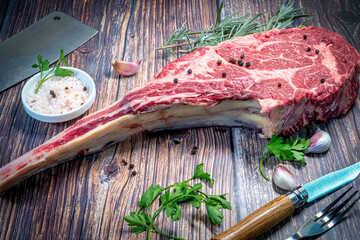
[(199, 173), (149, 196), (212, 208), (170, 198), (44, 66), (287, 151)]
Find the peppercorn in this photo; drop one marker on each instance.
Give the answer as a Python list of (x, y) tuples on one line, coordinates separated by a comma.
[(317, 51), (248, 64), (232, 60), (66, 88), (189, 71), (224, 74), (305, 36), (242, 56), (279, 84), (308, 49), (53, 95), (219, 62), (52, 92), (124, 162), (85, 88), (322, 80), (176, 80), (134, 173), (194, 150), (131, 166), (240, 62)]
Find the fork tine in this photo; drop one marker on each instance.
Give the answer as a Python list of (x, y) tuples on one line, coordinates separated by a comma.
[(333, 213), (341, 215), (325, 210)]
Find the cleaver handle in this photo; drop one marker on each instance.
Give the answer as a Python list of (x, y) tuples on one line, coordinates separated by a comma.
[(261, 220)]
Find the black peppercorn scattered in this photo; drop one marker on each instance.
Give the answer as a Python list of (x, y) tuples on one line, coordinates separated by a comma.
[(66, 88), (248, 64), (176, 80), (52, 92), (242, 56), (232, 60), (194, 150), (53, 95), (240, 62), (124, 162), (189, 71), (134, 173), (279, 84), (224, 74), (131, 166), (322, 80), (308, 49), (317, 51), (85, 88), (305, 37), (219, 62)]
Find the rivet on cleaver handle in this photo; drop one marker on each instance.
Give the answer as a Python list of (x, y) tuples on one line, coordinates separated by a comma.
[(45, 37)]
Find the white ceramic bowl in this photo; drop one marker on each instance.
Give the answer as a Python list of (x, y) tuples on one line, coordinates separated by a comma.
[(54, 118)]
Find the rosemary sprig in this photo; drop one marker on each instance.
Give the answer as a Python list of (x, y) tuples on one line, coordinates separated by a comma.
[(230, 27)]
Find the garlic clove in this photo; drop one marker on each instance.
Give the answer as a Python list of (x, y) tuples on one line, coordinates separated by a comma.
[(125, 68), (320, 142), (284, 179)]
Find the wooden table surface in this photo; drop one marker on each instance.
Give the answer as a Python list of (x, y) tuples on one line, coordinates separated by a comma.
[(87, 198)]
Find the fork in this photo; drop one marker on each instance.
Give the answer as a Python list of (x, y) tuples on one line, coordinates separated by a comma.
[(326, 218)]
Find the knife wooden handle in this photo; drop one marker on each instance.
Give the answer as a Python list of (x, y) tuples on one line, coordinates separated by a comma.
[(261, 220)]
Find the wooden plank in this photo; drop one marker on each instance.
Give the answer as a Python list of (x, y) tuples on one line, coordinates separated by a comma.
[(88, 197), (344, 131)]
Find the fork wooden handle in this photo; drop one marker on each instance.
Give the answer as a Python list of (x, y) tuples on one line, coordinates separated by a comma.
[(261, 220)]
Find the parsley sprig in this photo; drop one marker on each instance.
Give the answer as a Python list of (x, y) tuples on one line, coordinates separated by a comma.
[(287, 151), (44, 66), (170, 198)]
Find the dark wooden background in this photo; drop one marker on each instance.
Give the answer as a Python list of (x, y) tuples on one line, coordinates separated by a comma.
[(82, 199)]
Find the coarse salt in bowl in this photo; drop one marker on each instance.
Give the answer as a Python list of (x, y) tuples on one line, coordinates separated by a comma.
[(59, 99)]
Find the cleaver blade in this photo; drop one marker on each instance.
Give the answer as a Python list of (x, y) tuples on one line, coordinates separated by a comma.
[(45, 37)]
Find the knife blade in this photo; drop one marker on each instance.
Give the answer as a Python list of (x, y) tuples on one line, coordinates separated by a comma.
[(278, 209), (45, 37)]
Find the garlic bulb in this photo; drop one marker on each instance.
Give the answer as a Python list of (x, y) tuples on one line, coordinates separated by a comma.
[(284, 179), (320, 142), (125, 68)]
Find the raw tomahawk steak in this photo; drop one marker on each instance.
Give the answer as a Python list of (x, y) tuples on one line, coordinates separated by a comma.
[(284, 80)]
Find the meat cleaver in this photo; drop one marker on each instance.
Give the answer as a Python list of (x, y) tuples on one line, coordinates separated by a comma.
[(45, 37)]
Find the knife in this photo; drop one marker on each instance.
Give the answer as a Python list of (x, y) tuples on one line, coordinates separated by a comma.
[(278, 209), (45, 37)]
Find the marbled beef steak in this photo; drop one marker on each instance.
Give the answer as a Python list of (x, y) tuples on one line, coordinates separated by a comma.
[(284, 80)]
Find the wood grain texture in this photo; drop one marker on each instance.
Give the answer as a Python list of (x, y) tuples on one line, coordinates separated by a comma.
[(87, 198), (260, 221)]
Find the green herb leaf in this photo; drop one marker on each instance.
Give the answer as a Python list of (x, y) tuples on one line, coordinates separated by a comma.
[(149, 196), (138, 230), (221, 200), (212, 208), (61, 72), (200, 174), (138, 219), (230, 27), (287, 151), (180, 192), (44, 66)]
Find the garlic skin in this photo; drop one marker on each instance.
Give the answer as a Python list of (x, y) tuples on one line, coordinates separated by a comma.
[(319, 143), (284, 179), (125, 68)]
